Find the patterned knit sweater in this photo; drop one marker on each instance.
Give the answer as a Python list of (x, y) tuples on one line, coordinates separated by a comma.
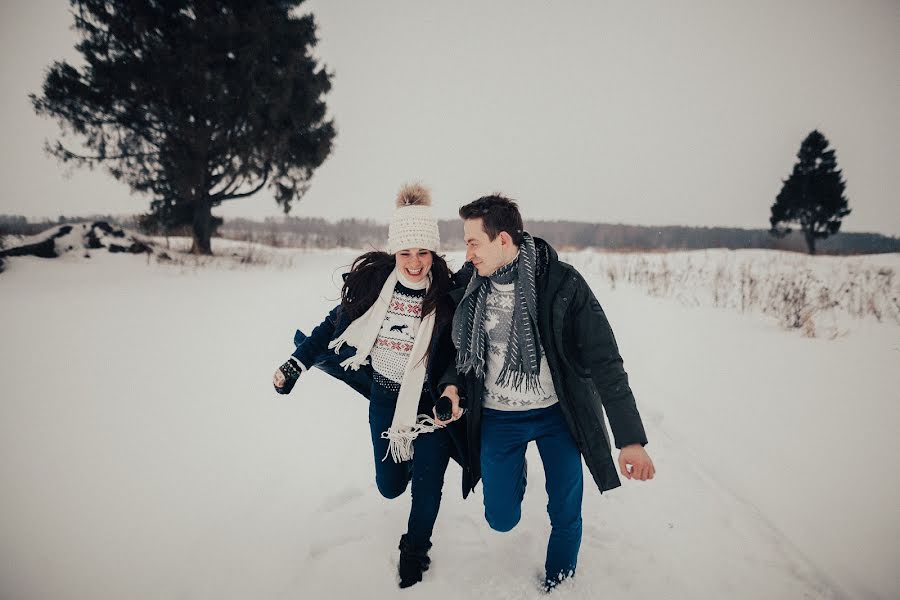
[(497, 326), (394, 343)]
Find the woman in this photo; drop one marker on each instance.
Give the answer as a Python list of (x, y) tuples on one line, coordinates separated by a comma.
[(389, 340)]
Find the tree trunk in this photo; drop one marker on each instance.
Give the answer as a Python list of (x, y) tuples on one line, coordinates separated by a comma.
[(202, 227), (810, 240), (195, 172)]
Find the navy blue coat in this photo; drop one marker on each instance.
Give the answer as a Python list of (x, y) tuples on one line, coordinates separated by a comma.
[(312, 350)]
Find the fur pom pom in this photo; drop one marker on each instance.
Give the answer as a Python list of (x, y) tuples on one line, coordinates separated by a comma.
[(413, 194)]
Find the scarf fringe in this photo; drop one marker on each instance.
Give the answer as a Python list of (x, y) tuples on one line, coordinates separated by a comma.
[(513, 379), (355, 361), (400, 439), (471, 363)]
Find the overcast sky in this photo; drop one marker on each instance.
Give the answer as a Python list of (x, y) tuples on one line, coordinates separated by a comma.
[(642, 112)]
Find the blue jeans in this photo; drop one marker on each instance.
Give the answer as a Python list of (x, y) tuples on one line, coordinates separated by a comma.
[(504, 437), (431, 454)]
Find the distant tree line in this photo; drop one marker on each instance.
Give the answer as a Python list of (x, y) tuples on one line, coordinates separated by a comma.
[(306, 232), (358, 233), (19, 225), (641, 238)]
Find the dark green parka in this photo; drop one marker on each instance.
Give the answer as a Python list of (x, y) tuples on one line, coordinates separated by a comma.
[(585, 364)]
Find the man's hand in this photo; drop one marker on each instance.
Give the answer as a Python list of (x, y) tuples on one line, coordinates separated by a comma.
[(452, 392), (635, 463)]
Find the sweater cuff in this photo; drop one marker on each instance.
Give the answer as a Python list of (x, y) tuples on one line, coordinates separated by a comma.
[(296, 360)]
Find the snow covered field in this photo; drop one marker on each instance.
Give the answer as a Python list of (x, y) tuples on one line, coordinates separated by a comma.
[(144, 454)]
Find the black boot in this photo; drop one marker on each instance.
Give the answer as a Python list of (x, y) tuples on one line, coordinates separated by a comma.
[(413, 562)]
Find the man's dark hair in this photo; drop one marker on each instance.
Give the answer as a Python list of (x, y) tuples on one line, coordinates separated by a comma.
[(497, 213)]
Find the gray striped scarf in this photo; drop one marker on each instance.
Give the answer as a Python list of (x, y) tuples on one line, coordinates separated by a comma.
[(523, 350)]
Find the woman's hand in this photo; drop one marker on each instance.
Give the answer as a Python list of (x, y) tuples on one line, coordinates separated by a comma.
[(286, 376), (278, 379)]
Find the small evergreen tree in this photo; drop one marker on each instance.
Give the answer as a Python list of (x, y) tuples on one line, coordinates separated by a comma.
[(813, 195), (194, 102)]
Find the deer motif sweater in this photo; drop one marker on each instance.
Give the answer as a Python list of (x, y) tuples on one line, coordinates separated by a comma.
[(394, 343)]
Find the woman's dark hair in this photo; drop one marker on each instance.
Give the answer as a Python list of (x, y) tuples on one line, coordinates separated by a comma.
[(366, 277)]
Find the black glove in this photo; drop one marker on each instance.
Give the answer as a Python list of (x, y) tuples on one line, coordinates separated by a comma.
[(443, 408), (291, 371)]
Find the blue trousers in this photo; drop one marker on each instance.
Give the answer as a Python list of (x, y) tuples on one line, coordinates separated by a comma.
[(431, 453), (504, 437)]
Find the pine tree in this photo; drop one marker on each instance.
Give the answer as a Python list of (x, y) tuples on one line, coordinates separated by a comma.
[(813, 195), (194, 102)]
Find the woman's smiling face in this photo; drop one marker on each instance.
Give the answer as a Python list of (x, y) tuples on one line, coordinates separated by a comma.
[(414, 263)]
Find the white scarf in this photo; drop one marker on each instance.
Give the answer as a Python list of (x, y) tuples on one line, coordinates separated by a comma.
[(361, 334)]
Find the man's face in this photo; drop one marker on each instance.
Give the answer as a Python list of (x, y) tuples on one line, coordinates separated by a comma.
[(486, 255)]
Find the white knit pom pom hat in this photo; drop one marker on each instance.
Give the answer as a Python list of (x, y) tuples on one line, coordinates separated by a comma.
[(413, 225)]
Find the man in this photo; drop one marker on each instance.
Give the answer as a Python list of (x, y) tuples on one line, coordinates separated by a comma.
[(537, 361)]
